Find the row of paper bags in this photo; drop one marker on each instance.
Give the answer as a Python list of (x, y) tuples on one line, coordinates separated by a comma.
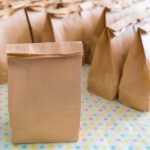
[(44, 21), (120, 65), (20, 25), (107, 30)]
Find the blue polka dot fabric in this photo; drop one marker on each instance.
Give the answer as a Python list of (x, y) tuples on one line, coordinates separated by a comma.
[(105, 125)]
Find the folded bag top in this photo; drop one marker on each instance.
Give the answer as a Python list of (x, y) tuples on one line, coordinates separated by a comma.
[(8, 11), (40, 6), (52, 49), (76, 8)]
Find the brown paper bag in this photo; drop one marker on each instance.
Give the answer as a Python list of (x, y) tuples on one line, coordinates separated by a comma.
[(110, 15), (14, 29), (74, 23), (90, 15), (36, 13), (134, 90), (110, 55), (44, 91)]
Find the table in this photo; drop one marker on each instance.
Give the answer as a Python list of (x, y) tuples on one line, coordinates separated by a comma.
[(106, 125)]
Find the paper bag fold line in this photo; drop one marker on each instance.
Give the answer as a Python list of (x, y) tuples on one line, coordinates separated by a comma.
[(53, 48)]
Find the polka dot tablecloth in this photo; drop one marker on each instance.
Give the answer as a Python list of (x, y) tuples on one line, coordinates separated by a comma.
[(105, 125)]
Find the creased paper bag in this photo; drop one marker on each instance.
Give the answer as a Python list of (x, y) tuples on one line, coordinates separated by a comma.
[(13, 29), (37, 16), (110, 55), (134, 90), (73, 23), (110, 15), (44, 91), (90, 16)]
